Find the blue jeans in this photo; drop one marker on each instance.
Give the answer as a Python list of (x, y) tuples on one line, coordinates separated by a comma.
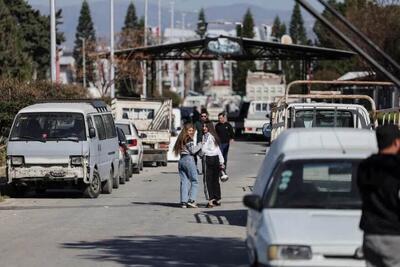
[(225, 149), (189, 182)]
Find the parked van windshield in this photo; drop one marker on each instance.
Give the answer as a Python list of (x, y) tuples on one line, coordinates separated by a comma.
[(49, 127), (315, 184)]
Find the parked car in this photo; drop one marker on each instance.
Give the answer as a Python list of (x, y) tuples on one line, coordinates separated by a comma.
[(62, 142), (305, 208), (134, 143), (125, 160)]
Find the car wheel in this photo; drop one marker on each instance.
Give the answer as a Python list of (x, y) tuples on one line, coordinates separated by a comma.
[(127, 176), (253, 258), (116, 182), (108, 185), (40, 190), (92, 190), (164, 163), (18, 190)]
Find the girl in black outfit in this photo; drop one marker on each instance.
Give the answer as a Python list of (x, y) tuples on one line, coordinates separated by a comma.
[(213, 161)]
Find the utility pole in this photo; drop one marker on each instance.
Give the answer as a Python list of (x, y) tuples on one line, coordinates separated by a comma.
[(112, 70), (172, 15), (84, 60), (159, 63), (146, 7), (53, 41), (183, 20)]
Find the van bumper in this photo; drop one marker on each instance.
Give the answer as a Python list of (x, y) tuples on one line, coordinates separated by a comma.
[(33, 174)]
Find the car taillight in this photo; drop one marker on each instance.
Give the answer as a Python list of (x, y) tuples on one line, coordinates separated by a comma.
[(249, 129), (132, 143), (163, 145)]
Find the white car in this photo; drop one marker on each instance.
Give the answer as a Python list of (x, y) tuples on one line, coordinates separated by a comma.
[(305, 208), (134, 143)]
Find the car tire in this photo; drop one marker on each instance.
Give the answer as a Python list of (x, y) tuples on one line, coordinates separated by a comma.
[(108, 184), (92, 190), (40, 190), (164, 163), (18, 190), (116, 182)]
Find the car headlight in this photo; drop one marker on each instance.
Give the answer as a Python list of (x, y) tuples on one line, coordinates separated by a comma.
[(17, 160), (289, 252), (76, 160)]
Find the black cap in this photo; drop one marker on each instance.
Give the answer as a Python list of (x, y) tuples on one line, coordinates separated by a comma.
[(386, 135)]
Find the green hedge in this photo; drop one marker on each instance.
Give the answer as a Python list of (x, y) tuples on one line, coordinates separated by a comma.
[(15, 95)]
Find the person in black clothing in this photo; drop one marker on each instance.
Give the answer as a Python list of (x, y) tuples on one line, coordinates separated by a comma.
[(225, 133), (378, 181)]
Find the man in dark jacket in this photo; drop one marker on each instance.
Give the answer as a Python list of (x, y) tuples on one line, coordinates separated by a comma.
[(225, 133), (379, 185)]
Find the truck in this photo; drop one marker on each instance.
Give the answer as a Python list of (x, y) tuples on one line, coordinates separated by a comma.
[(262, 89), (153, 119), (323, 108)]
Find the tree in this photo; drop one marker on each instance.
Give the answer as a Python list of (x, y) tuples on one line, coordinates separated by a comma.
[(14, 61), (129, 74), (296, 28), (131, 19), (85, 31), (278, 28), (34, 29), (240, 71), (200, 67), (201, 24)]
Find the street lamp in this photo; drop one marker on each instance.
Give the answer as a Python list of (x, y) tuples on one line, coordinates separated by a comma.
[(84, 60)]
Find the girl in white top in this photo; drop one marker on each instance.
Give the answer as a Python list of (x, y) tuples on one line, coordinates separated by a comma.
[(213, 162)]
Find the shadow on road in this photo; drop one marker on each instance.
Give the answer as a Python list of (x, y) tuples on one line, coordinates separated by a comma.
[(164, 251), (163, 204), (224, 217)]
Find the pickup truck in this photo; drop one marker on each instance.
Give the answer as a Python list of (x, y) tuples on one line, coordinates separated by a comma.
[(257, 116), (153, 119), (301, 110)]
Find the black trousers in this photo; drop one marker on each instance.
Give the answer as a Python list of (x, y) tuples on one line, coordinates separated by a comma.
[(212, 187)]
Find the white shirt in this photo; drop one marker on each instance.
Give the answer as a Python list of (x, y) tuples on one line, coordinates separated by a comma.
[(210, 148)]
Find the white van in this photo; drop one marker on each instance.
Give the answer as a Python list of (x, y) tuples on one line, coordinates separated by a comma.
[(63, 142)]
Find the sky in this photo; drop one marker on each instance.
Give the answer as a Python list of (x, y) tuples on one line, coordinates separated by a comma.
[(185, 4)]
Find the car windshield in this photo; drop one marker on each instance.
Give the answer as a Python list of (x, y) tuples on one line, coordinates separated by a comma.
[(125, 128), (49, 127), (323, 118), (320, 184)]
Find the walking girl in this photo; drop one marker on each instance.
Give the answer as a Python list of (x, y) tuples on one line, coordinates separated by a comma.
[(186, 148), (213, 161)]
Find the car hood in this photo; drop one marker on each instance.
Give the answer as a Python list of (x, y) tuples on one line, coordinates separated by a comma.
[(49, 152), (328, 232)]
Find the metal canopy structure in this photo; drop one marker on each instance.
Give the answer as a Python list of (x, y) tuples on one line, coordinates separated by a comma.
[(230, 48)]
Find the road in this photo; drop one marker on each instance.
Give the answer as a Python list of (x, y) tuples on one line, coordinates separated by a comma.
[(139, 224)]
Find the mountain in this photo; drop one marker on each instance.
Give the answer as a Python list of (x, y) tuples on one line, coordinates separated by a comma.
[(100, 15)]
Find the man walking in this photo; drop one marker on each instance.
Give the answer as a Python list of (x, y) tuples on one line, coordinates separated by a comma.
[(378, 180), (225, 133)]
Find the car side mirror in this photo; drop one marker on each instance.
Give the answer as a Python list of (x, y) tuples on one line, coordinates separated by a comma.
[(142, 135), (253, 202), (92, 132)]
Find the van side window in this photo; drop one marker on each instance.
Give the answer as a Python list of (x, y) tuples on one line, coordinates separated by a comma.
[(109, 125), (100, 127)]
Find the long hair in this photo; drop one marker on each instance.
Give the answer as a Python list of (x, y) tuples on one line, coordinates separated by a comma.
[(211, 130), (183, 139)]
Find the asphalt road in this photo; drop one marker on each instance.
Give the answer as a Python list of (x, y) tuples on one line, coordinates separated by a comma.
[(139, 224)]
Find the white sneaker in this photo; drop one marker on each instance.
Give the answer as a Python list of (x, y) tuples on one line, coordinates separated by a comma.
[(191, 204)]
